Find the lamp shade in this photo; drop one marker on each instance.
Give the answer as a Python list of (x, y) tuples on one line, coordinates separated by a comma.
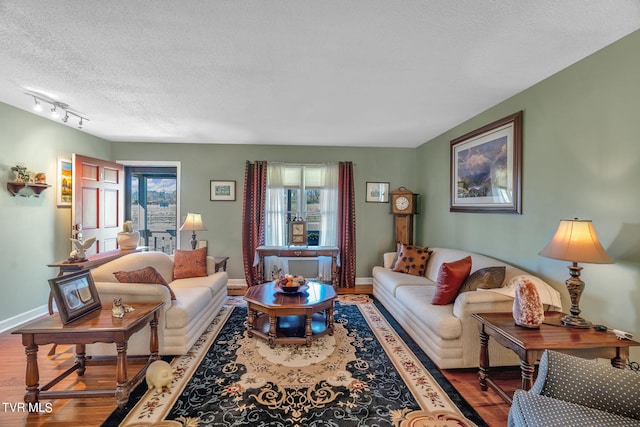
[(576, 241), (193, 222)]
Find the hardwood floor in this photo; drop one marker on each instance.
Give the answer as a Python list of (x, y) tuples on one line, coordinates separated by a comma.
[(88, 412)]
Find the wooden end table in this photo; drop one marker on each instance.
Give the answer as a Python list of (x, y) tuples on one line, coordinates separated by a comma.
[(98, 326), (290, 318), (529, 344)]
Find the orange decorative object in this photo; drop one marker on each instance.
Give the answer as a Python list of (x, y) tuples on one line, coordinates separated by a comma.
[(527, 307)]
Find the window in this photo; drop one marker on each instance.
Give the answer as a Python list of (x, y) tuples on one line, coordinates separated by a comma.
[(302, 192), (150, 203)]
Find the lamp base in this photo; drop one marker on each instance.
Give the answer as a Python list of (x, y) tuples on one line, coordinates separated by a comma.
[(576, 322)]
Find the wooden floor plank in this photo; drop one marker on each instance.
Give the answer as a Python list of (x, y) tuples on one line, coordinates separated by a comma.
[(93, 411)]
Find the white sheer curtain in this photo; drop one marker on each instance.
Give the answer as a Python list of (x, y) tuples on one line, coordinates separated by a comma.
[(329, 203), (275, 215)]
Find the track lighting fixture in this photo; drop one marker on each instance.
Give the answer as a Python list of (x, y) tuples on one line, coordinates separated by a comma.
[(56, 106), (37, 105)]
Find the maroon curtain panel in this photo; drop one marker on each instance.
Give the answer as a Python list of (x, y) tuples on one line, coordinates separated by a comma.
[(253, 208), (346, 226)]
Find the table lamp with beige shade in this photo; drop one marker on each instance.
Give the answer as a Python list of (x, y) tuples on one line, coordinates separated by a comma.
[(193, 222), (576, 241)]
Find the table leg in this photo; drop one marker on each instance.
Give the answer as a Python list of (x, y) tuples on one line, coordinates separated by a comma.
[(307, 329), (251, 315), (330, 320), (620, 361), (526, 371), (334, 271), (122, 383), (483, 373), (81, 359), (273, 321), (153, 339), (32, 376)]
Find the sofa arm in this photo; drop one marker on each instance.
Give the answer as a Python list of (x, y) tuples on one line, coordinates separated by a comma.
[(588, 383), (133, 292), (388, 258), (471, 302)]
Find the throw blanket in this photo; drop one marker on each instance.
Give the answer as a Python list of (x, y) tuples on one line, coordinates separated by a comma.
[(548, 295)]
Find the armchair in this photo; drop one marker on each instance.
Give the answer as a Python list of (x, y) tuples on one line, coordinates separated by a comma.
[(578, 392)]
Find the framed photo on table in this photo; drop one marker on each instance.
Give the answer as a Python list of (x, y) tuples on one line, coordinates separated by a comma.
[(377, 192), (486, 168), (75, 295), (223, 190), (297, 233)]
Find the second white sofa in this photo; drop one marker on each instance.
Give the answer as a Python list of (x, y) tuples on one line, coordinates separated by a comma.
[(447, 333)]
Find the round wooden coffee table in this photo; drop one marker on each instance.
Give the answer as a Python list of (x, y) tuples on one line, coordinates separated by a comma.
[(287, 318)]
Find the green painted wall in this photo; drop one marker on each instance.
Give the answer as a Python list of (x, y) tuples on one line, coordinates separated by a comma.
[(581, 158), (34, 231), (201, 163)]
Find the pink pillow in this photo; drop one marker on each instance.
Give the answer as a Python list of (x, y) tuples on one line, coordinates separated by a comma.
[(190, 263), (143, 275), (450, 278)]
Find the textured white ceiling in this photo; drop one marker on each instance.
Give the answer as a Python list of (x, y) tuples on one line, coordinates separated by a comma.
[(319, 72)]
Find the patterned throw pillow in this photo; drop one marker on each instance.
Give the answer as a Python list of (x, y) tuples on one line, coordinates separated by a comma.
[(450, 278), (412, 260), (190, 263), (484, 278), (143, 275)]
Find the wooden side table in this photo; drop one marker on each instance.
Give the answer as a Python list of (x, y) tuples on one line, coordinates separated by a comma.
[(529, 344), (98, 326), (221, 263)]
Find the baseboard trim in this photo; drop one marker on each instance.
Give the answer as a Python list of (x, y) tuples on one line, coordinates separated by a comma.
[(15, 321)]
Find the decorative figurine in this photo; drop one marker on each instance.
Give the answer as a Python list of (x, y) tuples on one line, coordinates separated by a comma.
[(81, 247), (159, 374), (118, 308)]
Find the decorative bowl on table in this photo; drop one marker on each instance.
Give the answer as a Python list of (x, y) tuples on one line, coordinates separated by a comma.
[(291, 284)]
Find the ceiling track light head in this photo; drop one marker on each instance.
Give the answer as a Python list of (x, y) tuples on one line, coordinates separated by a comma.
[(37, 105)]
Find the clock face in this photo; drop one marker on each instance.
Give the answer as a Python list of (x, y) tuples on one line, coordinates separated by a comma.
[(402, 203), (298, 229)]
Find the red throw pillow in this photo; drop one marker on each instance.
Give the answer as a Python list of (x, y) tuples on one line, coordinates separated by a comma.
[(190, 263), (144, 275), (412, 260), (450, 277)]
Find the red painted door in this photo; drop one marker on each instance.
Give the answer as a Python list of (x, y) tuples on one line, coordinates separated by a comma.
[(98, 201)]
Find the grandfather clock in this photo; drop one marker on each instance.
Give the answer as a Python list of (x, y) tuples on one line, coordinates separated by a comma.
[(404, 205)]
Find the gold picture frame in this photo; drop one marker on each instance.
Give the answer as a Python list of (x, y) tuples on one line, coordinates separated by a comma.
[(486, 168)]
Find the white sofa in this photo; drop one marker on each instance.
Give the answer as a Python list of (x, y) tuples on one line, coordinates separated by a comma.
[(181, 321), (446, 333)]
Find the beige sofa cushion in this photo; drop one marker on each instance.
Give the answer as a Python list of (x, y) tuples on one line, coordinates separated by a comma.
[(188, 304)]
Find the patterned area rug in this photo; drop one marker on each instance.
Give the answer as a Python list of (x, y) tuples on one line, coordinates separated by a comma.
[(369, 373)]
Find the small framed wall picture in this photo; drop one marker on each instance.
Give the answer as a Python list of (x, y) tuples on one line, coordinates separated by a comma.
[(223, 190), (65, 183), (377, 192)]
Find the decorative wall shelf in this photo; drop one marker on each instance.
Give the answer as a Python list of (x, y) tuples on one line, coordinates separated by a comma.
[(25, 189)]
